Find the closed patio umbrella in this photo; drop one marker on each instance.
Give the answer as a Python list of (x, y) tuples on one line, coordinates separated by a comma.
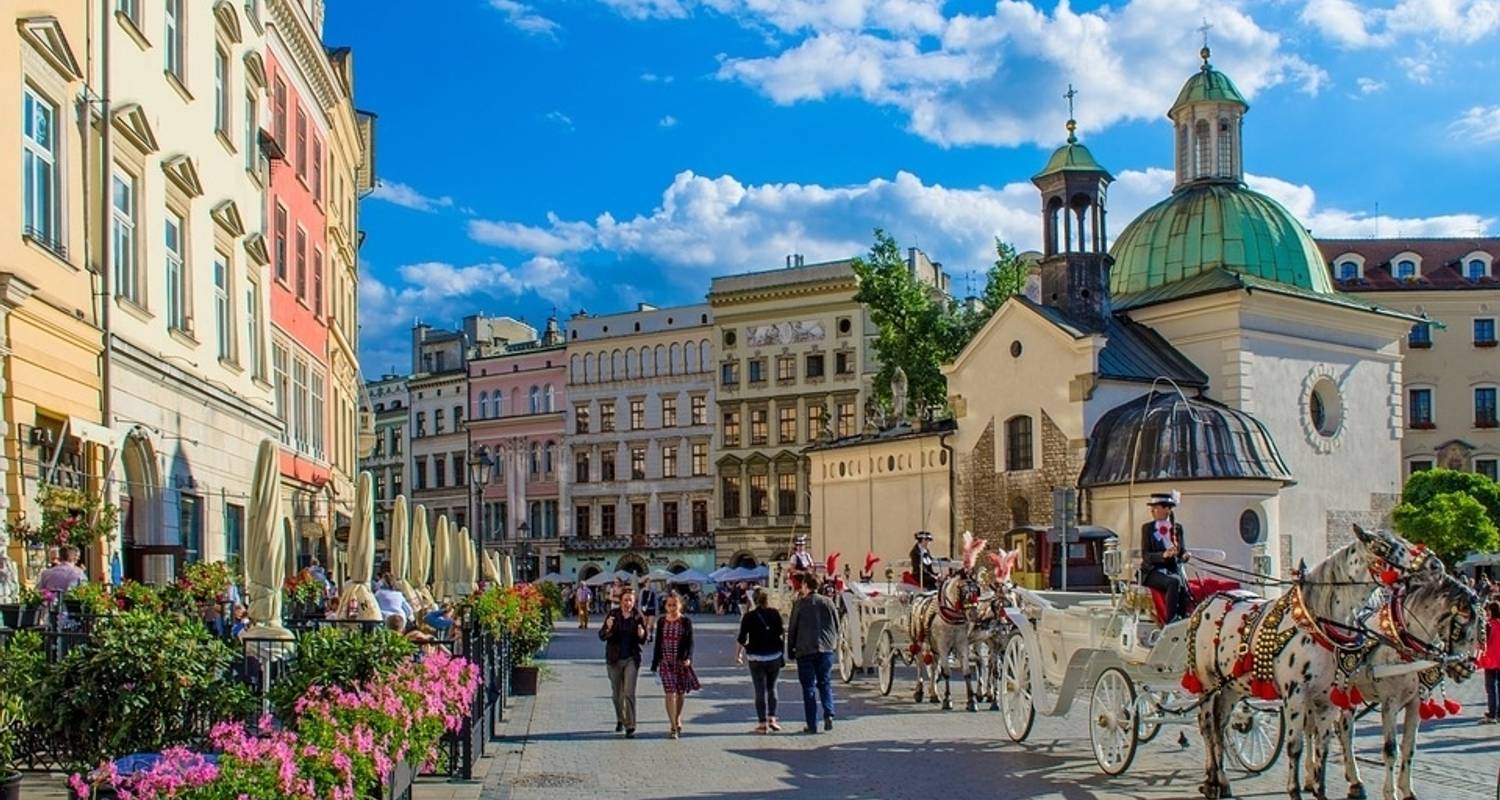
[(464, 562), (398, 545), (356, 600), (265, 547), (488, 569), (507, 571), (442, 561), (421, 558)]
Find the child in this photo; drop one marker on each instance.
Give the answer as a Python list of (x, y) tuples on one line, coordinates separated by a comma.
[(1489, 659)]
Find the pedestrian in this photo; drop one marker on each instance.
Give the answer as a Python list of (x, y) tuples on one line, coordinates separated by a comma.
[(762, 642), (1489, 661), (64, 576), (581, 601), (392, 603), (812, 636), (650, 607), (623, 633), (672, 660)]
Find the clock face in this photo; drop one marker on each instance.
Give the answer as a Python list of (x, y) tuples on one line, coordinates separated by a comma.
[(1250, 526)]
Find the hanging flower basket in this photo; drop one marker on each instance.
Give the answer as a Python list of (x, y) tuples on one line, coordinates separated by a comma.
[(69, 517)]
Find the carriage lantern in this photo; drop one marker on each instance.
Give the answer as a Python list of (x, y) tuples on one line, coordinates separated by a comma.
[(890, 575), (1112, 560)]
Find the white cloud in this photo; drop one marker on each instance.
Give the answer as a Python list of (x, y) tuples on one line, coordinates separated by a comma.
[(1341, 21), (706, 226), (652, 77), (1363, 24), (525, 18), (408, 197), (558, 237), (997, 78), (1370, 85), (562, 120), (668, 121), (1478, 124)]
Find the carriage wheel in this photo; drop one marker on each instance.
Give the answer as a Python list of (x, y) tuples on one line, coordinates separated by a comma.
[(1254, 734), (846, 661), (885, 662), (1014, 687), (1112, 721), (1148, 711)]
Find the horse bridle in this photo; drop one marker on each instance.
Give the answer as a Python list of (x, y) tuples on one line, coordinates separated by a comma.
[(968, 599)]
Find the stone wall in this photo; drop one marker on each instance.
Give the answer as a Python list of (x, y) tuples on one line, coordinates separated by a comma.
[(990, 497), (1340, 522)]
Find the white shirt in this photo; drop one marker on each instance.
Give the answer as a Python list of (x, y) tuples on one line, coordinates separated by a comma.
[(391, 602)]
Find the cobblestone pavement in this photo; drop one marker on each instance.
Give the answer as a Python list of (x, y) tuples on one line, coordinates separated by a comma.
[(882, 747)]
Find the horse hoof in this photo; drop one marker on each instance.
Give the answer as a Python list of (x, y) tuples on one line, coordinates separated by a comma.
[(1357, 792), (1225, 792), (972, 706), (947, 705), (1209, 790)]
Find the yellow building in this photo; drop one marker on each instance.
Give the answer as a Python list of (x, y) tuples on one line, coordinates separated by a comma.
[(49, 337), (1450, 370), (793, 347)]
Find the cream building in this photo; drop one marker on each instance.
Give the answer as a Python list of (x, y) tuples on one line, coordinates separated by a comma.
[(187, 309), (639, 437), (1451, 366), (50, 344), (792, 348), (386, 461), (438, 392)]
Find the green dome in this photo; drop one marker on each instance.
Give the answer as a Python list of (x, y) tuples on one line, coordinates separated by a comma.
[(1071, 157), (1208, 85), (1207, 226)]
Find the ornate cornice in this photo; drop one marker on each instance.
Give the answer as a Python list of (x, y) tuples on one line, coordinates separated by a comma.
[(305, 50)]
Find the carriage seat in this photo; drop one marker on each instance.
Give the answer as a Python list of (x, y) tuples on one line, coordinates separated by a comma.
[(1198, 589)]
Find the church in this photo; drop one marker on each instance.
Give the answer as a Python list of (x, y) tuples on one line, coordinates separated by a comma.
[(1205, 351)]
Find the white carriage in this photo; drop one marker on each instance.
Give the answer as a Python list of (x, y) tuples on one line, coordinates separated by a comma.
[(1067, 642)]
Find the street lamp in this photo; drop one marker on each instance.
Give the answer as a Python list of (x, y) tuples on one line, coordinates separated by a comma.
[(481, 468)]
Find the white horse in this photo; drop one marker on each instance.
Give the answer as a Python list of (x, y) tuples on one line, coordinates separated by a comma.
[(1429, 619), (993, 628), (941, 624), (1242, 645)]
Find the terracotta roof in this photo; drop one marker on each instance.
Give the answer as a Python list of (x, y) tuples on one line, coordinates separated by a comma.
[(1441, 266)]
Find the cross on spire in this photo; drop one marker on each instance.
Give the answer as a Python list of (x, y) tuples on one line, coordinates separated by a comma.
[(1204, 29), (1072, 123)]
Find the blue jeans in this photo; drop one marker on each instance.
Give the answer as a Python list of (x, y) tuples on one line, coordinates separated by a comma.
[(815, 673)]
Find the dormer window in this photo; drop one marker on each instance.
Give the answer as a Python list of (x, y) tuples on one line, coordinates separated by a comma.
[(1406, 269), (1477, 265), (1475, 270), (1349, 267), (1348, 271)]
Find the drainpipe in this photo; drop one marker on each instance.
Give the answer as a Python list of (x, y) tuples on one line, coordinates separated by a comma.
[(106, 238), (952, 494)]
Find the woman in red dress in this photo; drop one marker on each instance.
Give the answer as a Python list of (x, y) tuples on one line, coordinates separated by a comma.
[(672, 660)]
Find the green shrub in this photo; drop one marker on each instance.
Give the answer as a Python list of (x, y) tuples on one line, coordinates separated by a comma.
[(341, 657), (552, 594)]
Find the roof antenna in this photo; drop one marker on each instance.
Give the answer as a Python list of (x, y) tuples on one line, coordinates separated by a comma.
[(1377, 219)]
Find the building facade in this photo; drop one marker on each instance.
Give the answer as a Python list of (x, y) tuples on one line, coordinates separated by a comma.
[(189, 386), (517, 397), (437, 392), (50, 341), (640, 429), (792, 350), (1450, 366), (386, 461)]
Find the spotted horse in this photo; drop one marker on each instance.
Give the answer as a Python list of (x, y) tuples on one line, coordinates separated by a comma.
[(941, 623)]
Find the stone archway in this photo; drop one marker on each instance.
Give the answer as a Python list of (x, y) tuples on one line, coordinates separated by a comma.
[(744, 558), (140, 500), (588, 571), (630, 562)]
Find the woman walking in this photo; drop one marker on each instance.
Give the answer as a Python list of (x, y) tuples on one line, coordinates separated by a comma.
[(672, 660), (762, 642), (623, 633), (1489, 661)]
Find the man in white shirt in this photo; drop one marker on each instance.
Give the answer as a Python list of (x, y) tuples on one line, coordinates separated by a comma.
[(393, 603)]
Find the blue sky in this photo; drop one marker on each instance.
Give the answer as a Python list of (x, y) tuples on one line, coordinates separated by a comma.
[(576, 154)]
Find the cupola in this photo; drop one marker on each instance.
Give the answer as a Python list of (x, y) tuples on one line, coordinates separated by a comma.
[(1207, 120)]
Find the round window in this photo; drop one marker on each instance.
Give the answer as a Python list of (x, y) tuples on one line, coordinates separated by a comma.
[(1250, 526), (729, 338), (1015, 349), (845, 325), (1325, 407)]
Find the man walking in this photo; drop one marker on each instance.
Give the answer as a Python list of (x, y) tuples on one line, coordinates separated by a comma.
[(581, 602), (623, 633), (812, 636)]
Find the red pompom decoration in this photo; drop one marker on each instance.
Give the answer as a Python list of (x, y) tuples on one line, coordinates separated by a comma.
[(1424, 710), (1262, 689), (1243, 665), (1453, 707), (1191, 684), (1389, 576), (1338, 697), (1356, 697)]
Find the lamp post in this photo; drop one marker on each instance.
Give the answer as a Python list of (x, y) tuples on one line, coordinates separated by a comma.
[(523, 551), (481, 469)]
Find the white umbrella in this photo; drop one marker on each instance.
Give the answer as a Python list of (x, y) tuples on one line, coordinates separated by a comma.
[(265, 547), (398, 545), (461, 549), (555, 577), (660, 574), (717, 576), (421, 557), (442, 558), (356, 601), (489, 570), (600, 579), (507, 571)]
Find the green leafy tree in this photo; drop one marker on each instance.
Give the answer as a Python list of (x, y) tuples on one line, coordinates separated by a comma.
[(919, 330), (1453, 513)]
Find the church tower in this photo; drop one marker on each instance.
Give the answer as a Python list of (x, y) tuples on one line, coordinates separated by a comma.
[(1207, 120), (1075, 241)]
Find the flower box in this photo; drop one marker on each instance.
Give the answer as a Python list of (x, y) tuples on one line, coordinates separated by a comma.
[(523, 680), (398, 785), (16, 616), (1423, 426), (10, 788)]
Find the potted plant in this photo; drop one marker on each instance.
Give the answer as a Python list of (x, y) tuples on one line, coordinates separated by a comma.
[(26, 612), (520, 613), (10, 776), (69, 517), (304, 595), (90, 598)]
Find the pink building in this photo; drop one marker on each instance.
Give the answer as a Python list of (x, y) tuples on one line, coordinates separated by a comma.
[(516, 402)]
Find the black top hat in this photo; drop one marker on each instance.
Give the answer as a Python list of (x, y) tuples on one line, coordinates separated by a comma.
[(1168, 499), (799, 539), (924, 536)]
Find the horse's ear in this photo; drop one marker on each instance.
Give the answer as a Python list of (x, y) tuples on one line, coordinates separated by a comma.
[(1363, 535)]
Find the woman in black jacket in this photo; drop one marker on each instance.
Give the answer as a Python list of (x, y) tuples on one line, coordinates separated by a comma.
[(762, 641), (672, 659), (623, 632)]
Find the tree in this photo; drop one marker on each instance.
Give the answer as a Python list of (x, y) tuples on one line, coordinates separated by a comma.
[(1453, 513), (919, 329)]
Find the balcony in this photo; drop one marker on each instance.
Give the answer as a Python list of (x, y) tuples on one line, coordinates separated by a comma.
[(685, 541)]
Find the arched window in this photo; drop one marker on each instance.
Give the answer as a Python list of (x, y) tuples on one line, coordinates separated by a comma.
[(590, 368), (1406, 269), (1018, 445), (617, 366), (674, 360), (1348, 271), (575, 372), (484, 405), (660, 359), (547, 453), (1476, 270), (1226, 148), (1182, 153), (536, 400), (536, 458), (1201, 149), (550, 399), (705, 357), (692, 358)]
